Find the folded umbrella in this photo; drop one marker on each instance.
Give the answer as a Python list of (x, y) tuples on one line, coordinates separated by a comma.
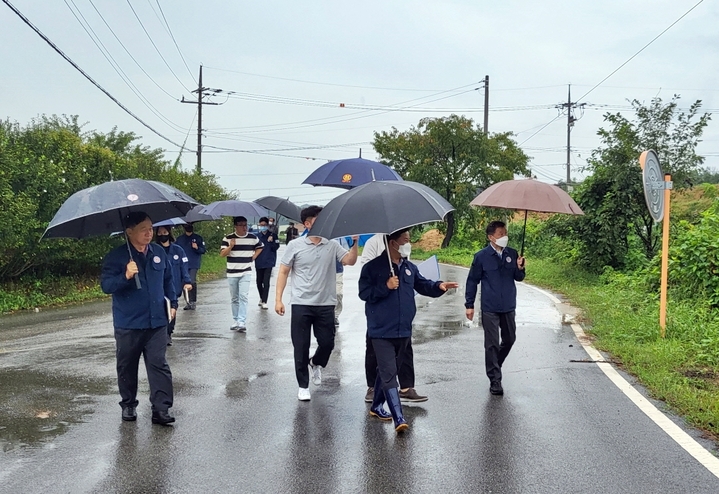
[(233, 208), (350, 173), (527, 195), (281, 206)]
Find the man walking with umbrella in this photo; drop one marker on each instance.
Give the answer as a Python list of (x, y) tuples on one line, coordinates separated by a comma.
[(140, 317), (497, 268), (311, 262), (265, 262), (194, 247)]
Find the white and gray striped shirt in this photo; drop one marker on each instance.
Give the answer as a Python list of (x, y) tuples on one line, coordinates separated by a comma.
[(239, 260)]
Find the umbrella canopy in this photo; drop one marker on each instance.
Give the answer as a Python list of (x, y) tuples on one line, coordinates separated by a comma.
[(527, 195), (350, 173), (233, 208), (380, 207), (282, 206), (170, 222), (100, 210), (193, 215)]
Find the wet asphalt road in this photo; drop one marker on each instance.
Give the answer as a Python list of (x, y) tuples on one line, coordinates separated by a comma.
[(561, 426)]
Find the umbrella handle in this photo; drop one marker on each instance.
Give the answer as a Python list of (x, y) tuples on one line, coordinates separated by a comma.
[(389, 258), (137, 280), (524, 233)]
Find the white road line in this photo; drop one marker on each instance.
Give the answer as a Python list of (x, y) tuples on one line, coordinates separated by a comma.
[(683, 439)]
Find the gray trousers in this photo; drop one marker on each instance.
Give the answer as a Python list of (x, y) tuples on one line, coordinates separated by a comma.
[(151, 344), (497, 324)]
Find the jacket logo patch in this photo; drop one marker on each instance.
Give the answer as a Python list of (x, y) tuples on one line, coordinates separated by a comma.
[(509, 259), (409, 273), (156, 260), (184, 259), (175, 257)]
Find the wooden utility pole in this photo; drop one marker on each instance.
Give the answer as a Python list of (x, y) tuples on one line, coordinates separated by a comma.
[(201, 92), (486, 104)]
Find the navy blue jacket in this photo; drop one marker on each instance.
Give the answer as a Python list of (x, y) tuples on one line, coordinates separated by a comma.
[(194, 257), (390, 312), (143, 308), (179, 263), (497, 277), (268, 256)]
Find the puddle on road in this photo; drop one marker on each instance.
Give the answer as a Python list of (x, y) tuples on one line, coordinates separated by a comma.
[(427, 331), (36, 407)]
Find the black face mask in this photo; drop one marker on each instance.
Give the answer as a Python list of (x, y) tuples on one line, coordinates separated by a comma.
[(163, 238), (189, 229)]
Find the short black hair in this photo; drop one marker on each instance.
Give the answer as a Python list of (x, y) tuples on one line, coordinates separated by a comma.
[(492, 227), (169, 231), (133, 219), (264, 218), (237, 219), (397, 234), (292, 223), (310, 212)]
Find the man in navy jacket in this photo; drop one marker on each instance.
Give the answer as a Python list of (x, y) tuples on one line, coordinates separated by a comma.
[(194, 247), (390, 309), (266, 260), (497, 268), (140, 316)]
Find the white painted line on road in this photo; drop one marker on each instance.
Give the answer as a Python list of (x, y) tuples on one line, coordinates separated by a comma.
[(679, 436)]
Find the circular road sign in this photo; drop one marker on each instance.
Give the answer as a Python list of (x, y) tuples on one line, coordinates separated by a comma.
[(654, 185)]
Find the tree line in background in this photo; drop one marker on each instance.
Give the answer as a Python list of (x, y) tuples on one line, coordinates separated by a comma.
[(49, 159)]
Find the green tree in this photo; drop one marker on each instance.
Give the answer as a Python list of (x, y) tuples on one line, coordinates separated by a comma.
[(454, 157), (613, 198)]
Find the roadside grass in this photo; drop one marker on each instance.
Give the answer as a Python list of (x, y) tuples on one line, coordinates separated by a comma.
[(49, 291), (623, 319)]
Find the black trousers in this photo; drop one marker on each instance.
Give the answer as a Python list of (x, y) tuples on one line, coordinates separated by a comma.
[(150, 344), (305, 319), (193, 281), (389, 352), (406, 370), (497, 324), (263, 283)]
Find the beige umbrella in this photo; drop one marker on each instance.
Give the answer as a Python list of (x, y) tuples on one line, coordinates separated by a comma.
[(527, 195)]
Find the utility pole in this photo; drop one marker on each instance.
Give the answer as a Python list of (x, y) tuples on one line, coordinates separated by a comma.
[(570, 106), (201, 93), (486, 104)]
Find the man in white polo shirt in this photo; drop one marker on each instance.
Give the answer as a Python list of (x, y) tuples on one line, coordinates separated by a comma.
[(312, 263), (240, 248)]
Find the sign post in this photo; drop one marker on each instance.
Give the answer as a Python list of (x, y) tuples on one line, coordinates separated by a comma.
[(657, 192)]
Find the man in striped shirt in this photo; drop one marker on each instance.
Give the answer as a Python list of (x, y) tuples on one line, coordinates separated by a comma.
[(240, 248)]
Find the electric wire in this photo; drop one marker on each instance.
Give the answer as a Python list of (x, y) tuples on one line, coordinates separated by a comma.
[(85, 74), (169, 30)]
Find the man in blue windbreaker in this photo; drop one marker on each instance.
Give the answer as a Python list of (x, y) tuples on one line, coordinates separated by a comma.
[(140, 316), (194, 247), (497, 268), (390, 309)]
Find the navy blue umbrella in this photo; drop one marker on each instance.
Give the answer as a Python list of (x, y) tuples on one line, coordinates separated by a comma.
[(350, 173)]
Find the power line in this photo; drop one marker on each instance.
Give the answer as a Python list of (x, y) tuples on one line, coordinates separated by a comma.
[(128, 52), (641, 50), (155, 46), (169, 30), (87, 76), (115, 65)]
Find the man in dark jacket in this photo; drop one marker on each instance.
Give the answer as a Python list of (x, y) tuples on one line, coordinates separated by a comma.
[(266, 260), (497, 268), (390, 309), (140, 316), (194, 247), (178, 262)]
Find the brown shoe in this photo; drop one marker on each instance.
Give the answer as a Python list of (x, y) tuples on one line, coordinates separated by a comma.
[(369, 396), (411, 396)]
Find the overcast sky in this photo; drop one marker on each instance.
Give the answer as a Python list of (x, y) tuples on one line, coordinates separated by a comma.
[(389, 63)]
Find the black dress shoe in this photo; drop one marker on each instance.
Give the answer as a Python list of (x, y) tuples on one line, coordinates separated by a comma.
[(129, 414), (495, 388), (162, 417)]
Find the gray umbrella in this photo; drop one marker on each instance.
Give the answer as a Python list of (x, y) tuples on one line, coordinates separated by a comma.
[(233, 208), (193, 216), (100, 210), (281, 206)]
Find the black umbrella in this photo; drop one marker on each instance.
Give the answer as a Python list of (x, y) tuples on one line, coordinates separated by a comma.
[(100, 210), (233, 207), (380, 207), (281, 206)]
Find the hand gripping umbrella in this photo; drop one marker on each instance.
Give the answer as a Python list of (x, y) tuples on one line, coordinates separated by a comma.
[(281, 206), (101, 209), (380, 208), (527, 195), (350, 173)]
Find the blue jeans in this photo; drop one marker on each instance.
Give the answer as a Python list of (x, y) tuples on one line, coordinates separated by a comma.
[(239, 289)]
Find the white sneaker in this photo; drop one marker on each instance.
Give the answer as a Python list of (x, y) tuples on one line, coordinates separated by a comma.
[(264, 306), (303, 394), (316, 372)]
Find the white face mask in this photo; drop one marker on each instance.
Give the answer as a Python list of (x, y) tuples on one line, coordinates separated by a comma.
[(502, 241), (405, 250)]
